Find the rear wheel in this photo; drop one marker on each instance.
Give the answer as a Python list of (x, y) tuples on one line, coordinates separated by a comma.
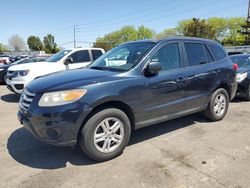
[(105, 134), (218, 105)]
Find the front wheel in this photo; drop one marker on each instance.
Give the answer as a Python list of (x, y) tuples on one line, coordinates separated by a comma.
[(5, 79), (247, 98), (105, 134), (218, 105)]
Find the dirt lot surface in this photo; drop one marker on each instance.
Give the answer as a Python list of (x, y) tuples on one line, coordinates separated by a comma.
[(187, 152)]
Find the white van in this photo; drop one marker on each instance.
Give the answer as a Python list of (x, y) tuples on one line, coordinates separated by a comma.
[(18, 76)]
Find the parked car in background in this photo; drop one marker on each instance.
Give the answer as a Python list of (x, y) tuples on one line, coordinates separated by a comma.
[(243, 75), (20, 75), (21, 57), (4, 68), (134, 85), (4, 59)]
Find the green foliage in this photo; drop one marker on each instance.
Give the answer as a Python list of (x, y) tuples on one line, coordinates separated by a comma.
[(50, 46), (167, 33), (125, 34), (3, 48), (245, 32), (35, 43), (226, 29), (199, 28)]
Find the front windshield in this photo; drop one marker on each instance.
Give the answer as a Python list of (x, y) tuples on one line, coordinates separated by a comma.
[(122, 58), (19, 61), (242, 61), (58, 56)]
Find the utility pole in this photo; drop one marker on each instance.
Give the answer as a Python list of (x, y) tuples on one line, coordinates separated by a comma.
[(74, 36)]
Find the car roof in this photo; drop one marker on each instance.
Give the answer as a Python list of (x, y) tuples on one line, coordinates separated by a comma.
[(77, 49), (240, 55), (178, 38)]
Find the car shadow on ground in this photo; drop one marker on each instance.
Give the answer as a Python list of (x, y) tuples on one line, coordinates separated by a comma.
[(27, 150), (11, 98)]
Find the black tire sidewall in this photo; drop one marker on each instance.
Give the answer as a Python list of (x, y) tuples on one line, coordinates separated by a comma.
[(86, 141), (248, 94), (5, 78)]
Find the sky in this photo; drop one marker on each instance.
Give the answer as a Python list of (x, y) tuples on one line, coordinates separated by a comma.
[(96, 18)]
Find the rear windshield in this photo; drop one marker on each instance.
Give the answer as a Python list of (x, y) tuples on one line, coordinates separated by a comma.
[(242, 61)]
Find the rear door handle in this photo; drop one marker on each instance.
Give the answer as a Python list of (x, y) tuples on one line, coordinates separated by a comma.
[(181, 80)]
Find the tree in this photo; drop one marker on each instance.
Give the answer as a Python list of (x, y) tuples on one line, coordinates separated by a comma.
[(49, 44), (3, 48), (199, 28), (167, 33), (125, 34), (35, 43), (245, 32), (220, 25), (16, 43)]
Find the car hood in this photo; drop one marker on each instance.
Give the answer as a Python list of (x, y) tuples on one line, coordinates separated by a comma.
[(69, 79), (28, 66), (243, 69), (4, 66)]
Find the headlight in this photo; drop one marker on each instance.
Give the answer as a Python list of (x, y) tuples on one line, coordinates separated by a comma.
[(61, 97), (21, 73), (241, 76)]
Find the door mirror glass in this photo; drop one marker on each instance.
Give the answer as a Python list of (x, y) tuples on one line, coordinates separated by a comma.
[(68, 60)]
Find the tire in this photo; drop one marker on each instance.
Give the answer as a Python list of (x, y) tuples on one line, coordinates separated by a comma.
[(5, 79), (218, 105), (247, 98), (116, 139)]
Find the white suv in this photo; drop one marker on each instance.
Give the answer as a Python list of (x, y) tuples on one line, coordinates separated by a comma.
[(18, 76)]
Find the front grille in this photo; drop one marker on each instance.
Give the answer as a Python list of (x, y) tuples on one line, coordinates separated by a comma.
[(26, 99)]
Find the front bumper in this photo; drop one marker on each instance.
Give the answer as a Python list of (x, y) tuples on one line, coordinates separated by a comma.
[(16, 85), (58, 125), (243, 88)]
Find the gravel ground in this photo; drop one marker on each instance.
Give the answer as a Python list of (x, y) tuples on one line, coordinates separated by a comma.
[(186, 152)]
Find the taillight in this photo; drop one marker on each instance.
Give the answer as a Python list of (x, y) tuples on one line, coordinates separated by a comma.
[(235, 67)]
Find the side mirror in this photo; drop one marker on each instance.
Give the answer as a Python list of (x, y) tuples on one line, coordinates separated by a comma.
[(152, 68), (68, 60)]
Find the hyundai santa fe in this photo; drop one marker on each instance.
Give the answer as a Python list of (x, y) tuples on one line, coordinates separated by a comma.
[(133, 85)]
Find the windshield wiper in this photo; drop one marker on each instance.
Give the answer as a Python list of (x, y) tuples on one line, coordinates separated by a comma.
[(98, 68), (106, 68)]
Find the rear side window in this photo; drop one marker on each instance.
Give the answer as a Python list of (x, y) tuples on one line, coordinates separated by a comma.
[(195, 54), (217, 52), (96, 54), (209, 56)]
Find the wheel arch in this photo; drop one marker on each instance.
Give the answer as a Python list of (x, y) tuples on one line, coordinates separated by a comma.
[(111, 104)]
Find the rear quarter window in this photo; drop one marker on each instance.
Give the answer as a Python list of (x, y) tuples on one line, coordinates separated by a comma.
[(218, 52)]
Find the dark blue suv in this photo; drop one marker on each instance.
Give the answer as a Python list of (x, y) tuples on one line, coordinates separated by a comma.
[(134, 85)]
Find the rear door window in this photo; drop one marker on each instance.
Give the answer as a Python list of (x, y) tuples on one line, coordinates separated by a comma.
[(196, 54), (96, 54)]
